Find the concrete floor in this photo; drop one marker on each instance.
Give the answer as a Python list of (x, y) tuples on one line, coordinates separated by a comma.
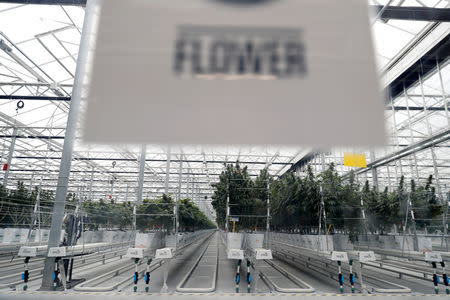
[(202, 276), (123, 296)]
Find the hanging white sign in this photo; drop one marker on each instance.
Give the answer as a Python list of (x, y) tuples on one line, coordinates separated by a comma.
[(235, 254), (164, 253), (365, 256), (263, 254), (57, 252), (433, 257), (339, 256), (234, 72), (27, 251), (135, 253)]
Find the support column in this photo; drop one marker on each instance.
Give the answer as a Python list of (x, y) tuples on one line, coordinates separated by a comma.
[(227, 209), (413, 221), (389, 178), (394, 131), (141, 175), (67, 152), (10, 155), (444, 93), (177, 215), (111, 192), (192, 188), (268, 215), (444, 223), (187, 183), (430, 133), (31, 182), (180, 179), (90, 184), (414, 169), (194, 194), (166, 190), (315, 166), (374, 171), (322, 158), (35, 216)]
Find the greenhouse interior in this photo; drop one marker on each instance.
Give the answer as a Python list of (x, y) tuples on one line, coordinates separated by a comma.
[(84, 217)]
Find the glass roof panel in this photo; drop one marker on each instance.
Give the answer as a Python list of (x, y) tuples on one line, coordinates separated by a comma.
[(59, 28)]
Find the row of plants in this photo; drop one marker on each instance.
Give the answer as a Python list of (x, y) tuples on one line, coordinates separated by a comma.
[(151, 214), (296, 202), (17, 205)]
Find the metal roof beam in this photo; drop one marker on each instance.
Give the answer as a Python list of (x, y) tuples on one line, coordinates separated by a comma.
[(414, 148), (152, 160), (19, 97), (413, 13)]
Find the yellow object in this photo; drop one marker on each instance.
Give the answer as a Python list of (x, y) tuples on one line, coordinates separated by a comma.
[(234, 225), (329, 227), (355, 160)]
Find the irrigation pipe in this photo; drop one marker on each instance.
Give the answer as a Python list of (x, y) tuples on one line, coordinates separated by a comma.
[(180, 287), (83, 288), (400, 289), (36, 274), (292, 277)]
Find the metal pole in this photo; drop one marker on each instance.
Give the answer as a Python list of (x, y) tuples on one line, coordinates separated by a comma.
[(66, 158), (433, 157), (430, 133), (133, 235), (31, 182), (90, 184), (10, 155), (322, 156), (319, 233), (111, 192), (178, 204), (187, 182), (406, 223), (411, 136), (396, 138), (374, 171), (414, 171), (444, 93), (141, 174), (180, 179), (363, 213), (227, 213), (413, 220), (36, 211), (166, 190), (445, 218), (192, 188), (268, 215), (389, 177)]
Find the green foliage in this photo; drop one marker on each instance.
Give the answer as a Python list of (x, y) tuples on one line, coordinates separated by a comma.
[(247, 197), (385, 210), (152, 214), (295, 201), (16, 206), (157, 213), (192, 218), (425, 204), (108, 215), (285, 194)]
